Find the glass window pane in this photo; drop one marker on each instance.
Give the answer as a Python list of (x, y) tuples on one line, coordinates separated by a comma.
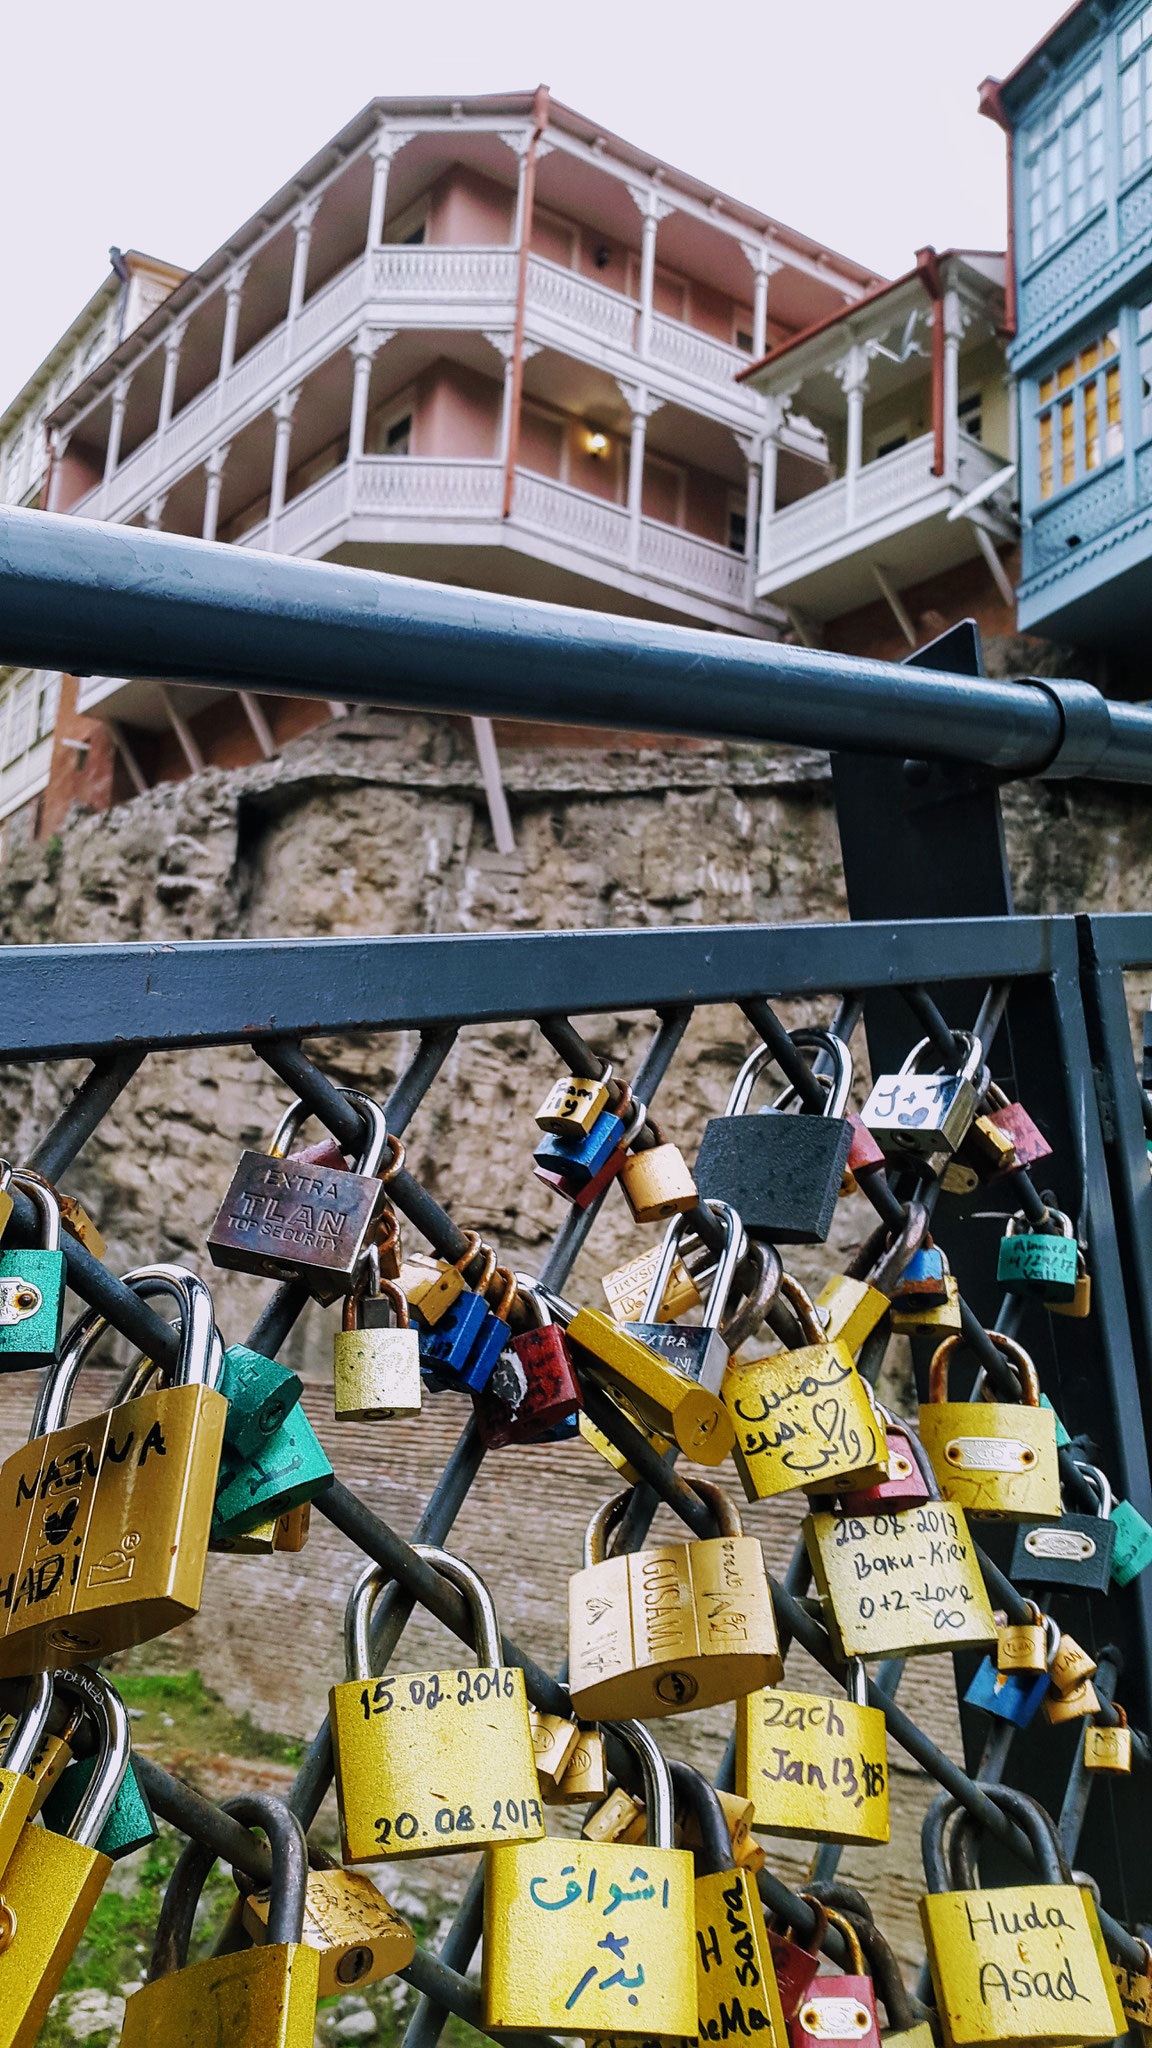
[(1091, 425), (1067, 441), (1048, 384), (1047, 475), (1065, 375)]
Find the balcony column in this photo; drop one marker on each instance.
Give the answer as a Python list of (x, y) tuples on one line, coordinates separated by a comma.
[(954, 324), (58, 441), (653, 210), (154, 513), (173, 343), (382, 152), (852, 374), (363, 351), (115, 431), (282, 412), (641, 405), (753, 451), (302, 224), (233, 293), (213, 485), (763, 267)]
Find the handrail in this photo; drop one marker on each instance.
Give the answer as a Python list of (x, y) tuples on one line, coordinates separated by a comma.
[(84, 598)]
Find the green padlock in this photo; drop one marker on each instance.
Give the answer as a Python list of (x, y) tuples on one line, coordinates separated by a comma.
[(1040, 1263), (131, 1824), (1133, 1549), (291, 1469), (32, 1288), (260, 1394)]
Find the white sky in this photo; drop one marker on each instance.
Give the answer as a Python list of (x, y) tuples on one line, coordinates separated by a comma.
[(161, 127)]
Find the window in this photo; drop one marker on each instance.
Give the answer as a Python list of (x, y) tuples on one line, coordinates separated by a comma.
[(1136, 93), (398, 437), (890, 446), (1064, 162), (970, 413), (1144, 363), (737, 531), (417, 235), (744, 340), (1079, 414)]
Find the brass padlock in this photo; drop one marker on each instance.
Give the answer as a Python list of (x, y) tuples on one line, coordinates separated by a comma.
[(1075, 1705), (110, 1539), (359, 1936), (293, 1221), (619, 1818), (1134, 1989), (627, 1288), (666, 1630), (1107, 1748), (1069, 1666), (631, 1976), (911, 1320), (900, 1585), (375, 1368), (656, 1183), (736, 1988), (849, 1310), (993, 1458), (554, 1738), (52, 1882), (815, 1766), (804, 1418), (585, 1773), (265, 1996), (573, 1104), (434, 1761), (1025, 1645), (1019, 1963)]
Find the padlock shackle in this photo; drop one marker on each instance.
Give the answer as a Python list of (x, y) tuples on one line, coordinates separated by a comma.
[(198, 1361), (692, 1790), (888, 1270), (804, 1309), (659, 1804), (847, 1928), (607, 1517), (1098, 1483), (1015, 1354), (732, 1251), (104, 1703), (528, 1290), (1033, 1820), (761, 1056), (968, 1071), (288, 1892), (375, 1122), (43, 1194), (767, 1273), (902, 2011), (31, 1723), (725, 1512), (1021, 1225), (373, 1580), (856, 1682), (932, 1841)]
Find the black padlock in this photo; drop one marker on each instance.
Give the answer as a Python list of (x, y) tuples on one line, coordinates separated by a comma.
[(1076, 1551), (782, 1174)]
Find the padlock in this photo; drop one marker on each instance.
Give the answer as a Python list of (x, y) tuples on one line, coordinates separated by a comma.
[(1011, 1118), (864, 1154), (909, 2022), (849, 1310), (32, 1287), (900, 1585), (632, 1115), (666, 1630), (585, 1774), (73, 1216), (1038, 1263), (1075, 1551), (1132, 1553), (737, 1814), (108, 1520), (1016, 1690), (291, 1532), (664, 1398), (656, 1183), (291, 1221), (51, 1883), (18, 1785), (803, 1418), (539, 1389), (292, 1467), (627, 1288), (700, 1350), (1025, 1645), (611, 1454), (554, 1738), (839, 2008), (434, 1761), (131, 1823), (917, 1115), (260, 1394), (796, 1963), (992, 1458), (6, 1202), (1108, 1748), (905, 1485), (375, 1368), (631, 1975), (359, 1936), (432, 1285), (815, 1766), (735, 1982), (988, 1152), (1069, 1665), (578, 1157), (782, 1174), (1081, 1302), (619, 1819), (573, 1104), (1134, 1988), (264, 1997), (911, 1320), (922, 1284), (1074, 1705), (1022, 1962)]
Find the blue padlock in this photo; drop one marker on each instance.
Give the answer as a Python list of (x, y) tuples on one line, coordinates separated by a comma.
[(446, 1349), (579, 1159), (32, 1286), (290, 1468), (923, 1283), (1015, 1696), (1132, 1553), (260, 1395)]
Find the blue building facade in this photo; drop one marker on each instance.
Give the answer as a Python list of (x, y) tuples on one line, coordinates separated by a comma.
[(1078, 111)]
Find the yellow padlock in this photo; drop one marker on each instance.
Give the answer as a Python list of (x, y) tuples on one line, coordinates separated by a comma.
[(900, 1585), (849, 1310), (656, 1183), (993, 1458), (803, 1418), (19, 1783), (585, 1775), (554, 1738), (815, 1766), (434, 1761), (573, 1104), (626, 1288), (359, 1937), (736, 1991), (1107, 1748), (664, 1398), (662, 1631), (594, 1938)]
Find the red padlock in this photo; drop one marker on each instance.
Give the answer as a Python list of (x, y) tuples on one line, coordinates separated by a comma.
[(905, 1486), (325, 1152), (840, 2011), (796, 1967), (864, 1154), (550, 1393), (1013, 1119)]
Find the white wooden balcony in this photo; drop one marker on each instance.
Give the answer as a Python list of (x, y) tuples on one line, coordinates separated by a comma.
[(818, 553)]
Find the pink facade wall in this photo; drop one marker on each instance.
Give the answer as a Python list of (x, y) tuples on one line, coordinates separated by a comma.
[(456, 412), (77, 475), (469, 210)]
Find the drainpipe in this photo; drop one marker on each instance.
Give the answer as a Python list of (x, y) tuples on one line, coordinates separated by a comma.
[(928, 270), (992, 107), (539, 123)]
